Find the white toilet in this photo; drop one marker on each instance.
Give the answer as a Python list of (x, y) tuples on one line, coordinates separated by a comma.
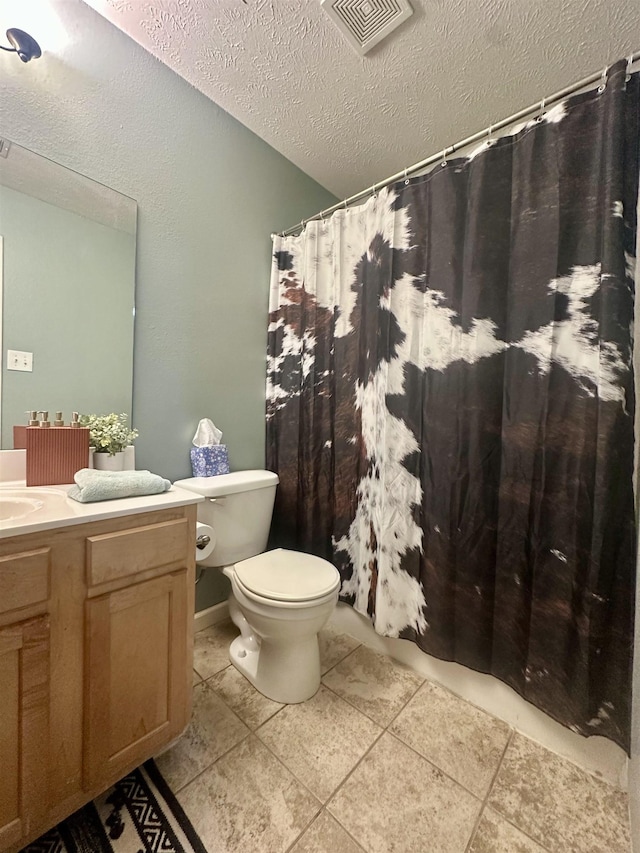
[(279, 599)]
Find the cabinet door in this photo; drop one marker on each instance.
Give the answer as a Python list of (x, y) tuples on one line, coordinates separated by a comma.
[(24, 727), (135, 688)]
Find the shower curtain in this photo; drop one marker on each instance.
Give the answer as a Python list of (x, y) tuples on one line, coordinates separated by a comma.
[(450, 406)]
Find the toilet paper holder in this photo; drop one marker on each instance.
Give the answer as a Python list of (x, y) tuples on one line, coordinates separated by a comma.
[(202, 541)]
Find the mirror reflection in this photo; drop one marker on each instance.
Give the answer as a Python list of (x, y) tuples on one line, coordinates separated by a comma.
[(67, 264)]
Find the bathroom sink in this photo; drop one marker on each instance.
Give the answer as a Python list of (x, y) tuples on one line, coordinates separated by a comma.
[(23, 504), (13, 507)]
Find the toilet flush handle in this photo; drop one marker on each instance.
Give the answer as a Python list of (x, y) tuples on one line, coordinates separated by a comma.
[(202, 541), (221, 501)]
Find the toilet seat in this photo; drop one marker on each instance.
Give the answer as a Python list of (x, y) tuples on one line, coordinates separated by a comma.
[(287, 576)]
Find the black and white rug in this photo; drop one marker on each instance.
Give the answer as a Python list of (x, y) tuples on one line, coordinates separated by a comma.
[(139, 814)]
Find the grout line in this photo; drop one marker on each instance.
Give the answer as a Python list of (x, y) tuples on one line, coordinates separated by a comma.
[(342, 659), (270, 717), (373, 720), (322, 811), (410, 699), (305, 828), (351, 705), (514, 732), (293, 775), (226, 703), (292, 772), (489, 790), (215, 761), (349, 775), (337, 663), (535, 841), (248, 733), (434, 765)]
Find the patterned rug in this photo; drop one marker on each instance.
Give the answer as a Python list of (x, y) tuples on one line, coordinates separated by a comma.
[(139, 814)]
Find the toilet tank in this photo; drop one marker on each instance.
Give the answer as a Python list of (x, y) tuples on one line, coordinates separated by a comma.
[(239, 507)]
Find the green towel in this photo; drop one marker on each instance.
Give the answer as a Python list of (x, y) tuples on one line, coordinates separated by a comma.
[(108, 485)]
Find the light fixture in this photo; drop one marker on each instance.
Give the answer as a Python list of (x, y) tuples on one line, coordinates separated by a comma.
[(23, 44)]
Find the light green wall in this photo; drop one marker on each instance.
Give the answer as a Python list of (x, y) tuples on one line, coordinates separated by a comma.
[(68, 299), (209, 194)]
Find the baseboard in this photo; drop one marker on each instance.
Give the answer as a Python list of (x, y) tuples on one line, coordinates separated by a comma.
[(210, 616)]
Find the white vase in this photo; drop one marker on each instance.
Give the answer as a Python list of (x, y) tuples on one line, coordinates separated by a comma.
[(106, 462)]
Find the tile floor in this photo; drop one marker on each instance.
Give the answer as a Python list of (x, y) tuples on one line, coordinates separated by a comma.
[(380, 760)]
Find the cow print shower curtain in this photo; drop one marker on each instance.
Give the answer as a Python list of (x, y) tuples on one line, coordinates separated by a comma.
[(451, 406)]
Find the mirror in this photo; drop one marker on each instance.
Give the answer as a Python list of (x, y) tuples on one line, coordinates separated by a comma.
[(67, 270)]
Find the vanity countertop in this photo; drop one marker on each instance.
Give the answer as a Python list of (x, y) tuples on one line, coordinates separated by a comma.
[(58, 510)]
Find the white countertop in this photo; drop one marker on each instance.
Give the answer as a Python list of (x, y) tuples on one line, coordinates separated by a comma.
[(58, 510)]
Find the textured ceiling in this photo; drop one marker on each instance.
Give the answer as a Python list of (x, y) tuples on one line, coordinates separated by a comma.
[(284, 70)]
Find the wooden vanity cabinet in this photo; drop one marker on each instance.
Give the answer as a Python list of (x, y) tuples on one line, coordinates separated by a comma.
[(96, 649), (24, 727)]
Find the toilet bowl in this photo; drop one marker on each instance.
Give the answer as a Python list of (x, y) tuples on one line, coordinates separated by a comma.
[(279, 599)]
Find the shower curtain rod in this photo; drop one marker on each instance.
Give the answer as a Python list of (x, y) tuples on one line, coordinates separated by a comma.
[(487, 131)]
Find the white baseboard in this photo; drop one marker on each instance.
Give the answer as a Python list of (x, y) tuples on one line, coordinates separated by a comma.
[(210, 616), (598, 755)]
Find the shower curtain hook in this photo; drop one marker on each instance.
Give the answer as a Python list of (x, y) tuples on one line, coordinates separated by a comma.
[(540, 115), (345, 204), (444, 158), (406, 179), (490, 134), (629, 64), (603, 81), (374, 194)]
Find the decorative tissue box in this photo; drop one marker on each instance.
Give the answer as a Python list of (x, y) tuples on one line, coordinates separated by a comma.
[(209, 461)]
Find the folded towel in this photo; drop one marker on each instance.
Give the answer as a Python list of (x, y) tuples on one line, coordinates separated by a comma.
[(95, 485)]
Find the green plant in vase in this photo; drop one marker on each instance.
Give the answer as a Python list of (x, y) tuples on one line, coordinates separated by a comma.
[(109, 433)]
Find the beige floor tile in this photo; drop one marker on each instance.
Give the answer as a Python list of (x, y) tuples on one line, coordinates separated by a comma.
[(211, 648), (239, 694), (247, 801), (213, 730), (334, 646), (461, 740), (320, 740), (377, 685), (495, 835), (196, 678), (396, 801), (560, 806), (325, 835)]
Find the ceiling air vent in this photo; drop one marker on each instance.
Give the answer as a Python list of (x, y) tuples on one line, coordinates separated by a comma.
[(364, 23)]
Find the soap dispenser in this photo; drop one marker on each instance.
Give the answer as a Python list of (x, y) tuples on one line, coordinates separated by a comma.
[(55, 453), (20, 430)]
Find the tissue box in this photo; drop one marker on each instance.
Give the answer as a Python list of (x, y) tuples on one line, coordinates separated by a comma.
[(209, 461)]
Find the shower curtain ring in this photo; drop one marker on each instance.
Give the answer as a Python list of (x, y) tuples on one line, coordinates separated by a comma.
[(444, 158), (374, 194), (490, 133), (629, 64), (406, 179), (603, 81), (540, 115)]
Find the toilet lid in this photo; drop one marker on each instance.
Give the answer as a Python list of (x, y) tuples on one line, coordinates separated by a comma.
[(287, 575)]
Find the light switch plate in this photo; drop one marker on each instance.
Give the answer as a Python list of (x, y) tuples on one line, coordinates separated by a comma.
[(17, 360)]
